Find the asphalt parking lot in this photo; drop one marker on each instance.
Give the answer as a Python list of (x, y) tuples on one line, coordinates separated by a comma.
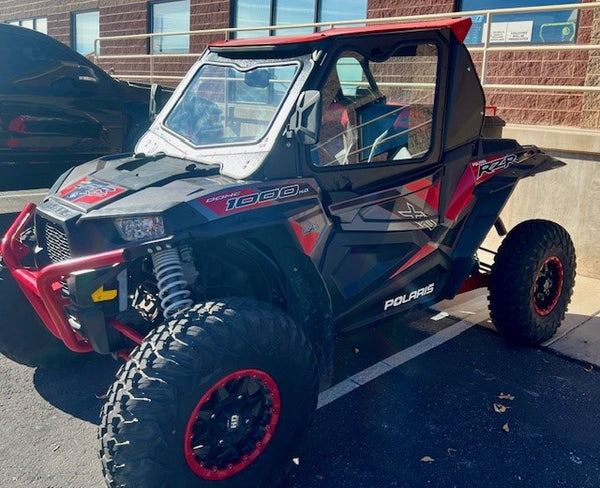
[(432, 399)]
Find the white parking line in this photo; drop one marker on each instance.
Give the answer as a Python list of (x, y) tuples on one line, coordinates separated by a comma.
[(363, 377), (8, 194)]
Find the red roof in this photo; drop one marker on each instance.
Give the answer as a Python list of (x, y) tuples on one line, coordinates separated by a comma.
[(459, 26)]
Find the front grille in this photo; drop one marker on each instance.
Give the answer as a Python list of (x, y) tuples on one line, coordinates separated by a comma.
[(57, 244)]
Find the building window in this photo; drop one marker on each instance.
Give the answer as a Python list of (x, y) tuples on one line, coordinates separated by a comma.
[(541, 27), (40, 24), (262, 13), (170, 16), (85, 30)]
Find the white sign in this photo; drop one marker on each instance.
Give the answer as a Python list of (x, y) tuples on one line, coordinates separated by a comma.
[(511, 31)]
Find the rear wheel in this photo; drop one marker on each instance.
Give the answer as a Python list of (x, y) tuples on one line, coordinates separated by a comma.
[(219, 397), (23, 337), (532, 281)]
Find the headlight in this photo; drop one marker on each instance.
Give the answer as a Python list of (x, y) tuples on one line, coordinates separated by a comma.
[(140, 227)]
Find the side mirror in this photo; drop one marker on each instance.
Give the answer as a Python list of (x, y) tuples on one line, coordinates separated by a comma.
[(306, 120), (86, 74)]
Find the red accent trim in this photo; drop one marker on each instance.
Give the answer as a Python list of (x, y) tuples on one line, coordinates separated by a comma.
[(561, 278), (420, 254), (215, 474), (307, 241), (474, 282), (460, 28), (124, 354), (127, 331), (463, 194), (39, 285)]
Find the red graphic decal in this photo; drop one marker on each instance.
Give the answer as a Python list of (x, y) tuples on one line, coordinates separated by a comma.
[(476, 172), (421, 254), (307, 238), (90, 191)]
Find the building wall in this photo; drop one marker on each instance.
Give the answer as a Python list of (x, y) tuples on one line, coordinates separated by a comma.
[(122, 17)]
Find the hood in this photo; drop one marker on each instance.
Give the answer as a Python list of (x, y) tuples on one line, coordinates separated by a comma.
[(124, 183)]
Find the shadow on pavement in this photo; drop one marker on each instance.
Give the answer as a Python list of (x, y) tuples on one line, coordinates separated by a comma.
[(79, 389)]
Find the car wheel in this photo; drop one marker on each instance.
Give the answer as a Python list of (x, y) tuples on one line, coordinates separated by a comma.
[(531, 281), (218, 397)]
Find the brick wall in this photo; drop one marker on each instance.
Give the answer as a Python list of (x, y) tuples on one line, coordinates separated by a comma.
[(119, 17), (590, 116), (381, 9), (537, 68)]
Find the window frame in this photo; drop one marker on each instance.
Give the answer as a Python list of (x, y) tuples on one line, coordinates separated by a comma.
[(317, 17), (437, 108), (534, 3), (74, 15), (150, 27), (35, 20)]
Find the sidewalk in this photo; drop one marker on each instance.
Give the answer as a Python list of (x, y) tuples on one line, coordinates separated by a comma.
[(579, 335)]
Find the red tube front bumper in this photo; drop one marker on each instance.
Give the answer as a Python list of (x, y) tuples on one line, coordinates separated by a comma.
[(42, 286)]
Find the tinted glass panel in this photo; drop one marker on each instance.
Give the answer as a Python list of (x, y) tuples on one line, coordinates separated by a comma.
[(171, 17), (86, 29), (332, 10), (389, 120), (252, 13), (294, 12), (41, 25), (225, 105)]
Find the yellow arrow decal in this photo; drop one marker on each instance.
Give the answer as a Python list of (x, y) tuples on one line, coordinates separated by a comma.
[(102, 295)]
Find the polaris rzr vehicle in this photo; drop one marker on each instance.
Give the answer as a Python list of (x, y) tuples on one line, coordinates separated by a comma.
[(292, 188)]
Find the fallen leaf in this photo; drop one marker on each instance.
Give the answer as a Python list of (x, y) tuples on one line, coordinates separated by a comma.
[(499, 408), (506, 396), (505, 427), (427, 459), (56, 448), (589, 368), (356, 350), (296, 461)]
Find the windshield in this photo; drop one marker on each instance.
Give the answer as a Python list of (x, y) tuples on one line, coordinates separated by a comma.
[(225, 105)]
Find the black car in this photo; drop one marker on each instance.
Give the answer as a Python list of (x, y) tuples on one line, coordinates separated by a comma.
[(57, 108)]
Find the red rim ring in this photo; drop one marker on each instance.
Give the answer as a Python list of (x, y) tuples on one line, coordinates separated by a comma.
[(547, 286), (232, 424)]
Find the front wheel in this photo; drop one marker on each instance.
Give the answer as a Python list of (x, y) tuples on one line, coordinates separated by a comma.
[(531, 281), (219, 397)]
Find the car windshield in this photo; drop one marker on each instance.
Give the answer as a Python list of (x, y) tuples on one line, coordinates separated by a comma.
[(224, 104)]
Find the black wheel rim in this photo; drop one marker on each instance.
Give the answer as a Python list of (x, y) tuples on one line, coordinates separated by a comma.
[(232, 424), (548, 286)]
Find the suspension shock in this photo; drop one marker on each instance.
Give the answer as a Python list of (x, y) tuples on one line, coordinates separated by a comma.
[(172, 286)]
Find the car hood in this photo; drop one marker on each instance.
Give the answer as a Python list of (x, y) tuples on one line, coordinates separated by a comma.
[(122, 184)]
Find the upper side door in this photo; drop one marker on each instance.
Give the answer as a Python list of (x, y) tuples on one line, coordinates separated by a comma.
[(378, 161), (55, 106)]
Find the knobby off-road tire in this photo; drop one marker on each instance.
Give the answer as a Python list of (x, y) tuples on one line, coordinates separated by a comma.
[(532, 281), (217, 398), (23, 336)]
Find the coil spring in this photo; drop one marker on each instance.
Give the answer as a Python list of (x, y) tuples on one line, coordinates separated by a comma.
[(172, 286)]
